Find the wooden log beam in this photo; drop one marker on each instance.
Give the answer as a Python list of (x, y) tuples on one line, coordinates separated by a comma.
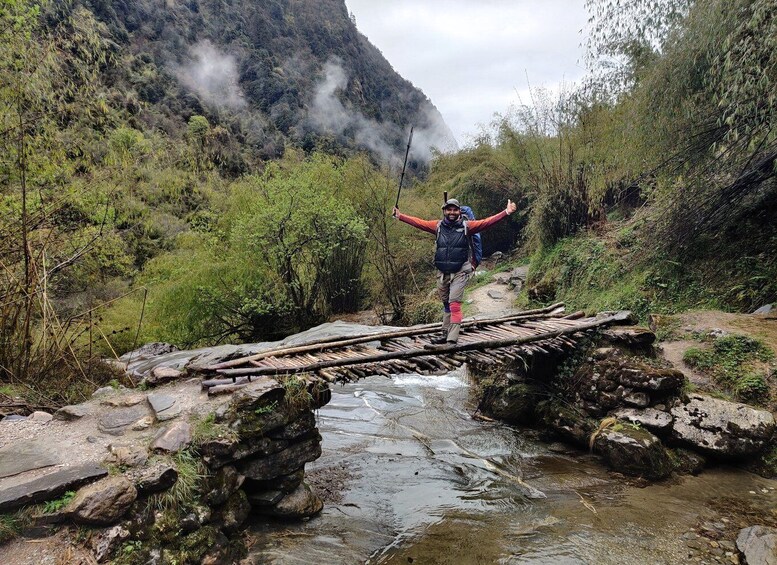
[(225, 389), (206, 384), (443, 349)]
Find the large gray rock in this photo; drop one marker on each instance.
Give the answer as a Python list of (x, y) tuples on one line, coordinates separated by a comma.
[(71, 412), (116, 421), (128, 456), (173, 438), (649, 378), (302, 427), (103, 503), (164, 406), (285, 484), (758, 544), (765, 309), (41, 417), (123, 400), (219, 452), (266, 498), (631, 336), (283, 462), (650, 418), (148, 351), (518, 277), (638, 399), (48, 486), (257, 395), (234, 512), (108, 541), (634, 452), (725, 429), (154, 478), (161, 375), (515, 403), (221, 485)]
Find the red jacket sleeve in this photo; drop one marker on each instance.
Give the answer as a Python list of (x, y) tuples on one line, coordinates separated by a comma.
[(477, 226), (425, 225)]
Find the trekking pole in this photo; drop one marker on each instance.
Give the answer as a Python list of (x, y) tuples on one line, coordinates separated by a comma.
[(407, 152)]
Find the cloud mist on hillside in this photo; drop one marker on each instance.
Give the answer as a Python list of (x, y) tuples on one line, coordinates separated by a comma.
[(327, 114), (213, 75)]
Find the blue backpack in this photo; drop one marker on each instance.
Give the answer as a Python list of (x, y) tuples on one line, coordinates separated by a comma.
[(475, 242)]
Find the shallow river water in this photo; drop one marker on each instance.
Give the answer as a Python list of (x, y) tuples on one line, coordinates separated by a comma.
[(408, 476)]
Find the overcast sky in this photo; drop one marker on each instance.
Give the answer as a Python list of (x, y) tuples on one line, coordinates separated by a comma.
[(473, 58)]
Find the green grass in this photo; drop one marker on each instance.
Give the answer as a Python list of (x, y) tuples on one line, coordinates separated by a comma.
[(54, 506), (738, 363), (297, 396), (595, 273), (588, 275), (184, 492), (11, 390), (206, 429), (266, 409), (11, 525)]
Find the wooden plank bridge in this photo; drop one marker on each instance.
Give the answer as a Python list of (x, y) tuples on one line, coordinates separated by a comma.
[(409, 350)]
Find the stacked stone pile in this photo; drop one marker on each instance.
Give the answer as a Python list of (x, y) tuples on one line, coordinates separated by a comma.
[(624, 405), (170, 475)]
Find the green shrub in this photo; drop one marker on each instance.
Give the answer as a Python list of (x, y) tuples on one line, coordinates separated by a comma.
[(751, 385), (425, 311), (736, 363), (54, 506)]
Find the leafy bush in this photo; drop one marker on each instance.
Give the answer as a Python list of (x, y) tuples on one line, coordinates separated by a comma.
[(53, 506)]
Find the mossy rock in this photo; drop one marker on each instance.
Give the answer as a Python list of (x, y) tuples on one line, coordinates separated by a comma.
[(514, 404), (565, 421), (686, 462), (633, 451)]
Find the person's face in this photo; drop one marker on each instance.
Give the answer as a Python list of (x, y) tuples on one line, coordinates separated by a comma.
[(452, 213)]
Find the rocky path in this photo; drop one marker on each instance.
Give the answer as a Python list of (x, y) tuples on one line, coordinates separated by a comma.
[(497, 297)]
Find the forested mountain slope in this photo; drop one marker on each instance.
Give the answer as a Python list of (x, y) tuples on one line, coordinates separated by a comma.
[(274, 71), (193, 172)]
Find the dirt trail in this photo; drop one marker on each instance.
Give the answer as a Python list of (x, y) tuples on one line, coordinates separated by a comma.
[(495, 298), (684, 326)]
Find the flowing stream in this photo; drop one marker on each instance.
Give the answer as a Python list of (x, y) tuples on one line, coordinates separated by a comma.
[(408, 476)]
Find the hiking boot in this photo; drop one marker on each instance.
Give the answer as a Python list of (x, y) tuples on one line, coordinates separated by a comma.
[(439, 345), (440, 339)]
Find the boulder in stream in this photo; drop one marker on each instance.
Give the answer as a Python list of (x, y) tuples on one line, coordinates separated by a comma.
[(633, 451), (301, 503), (758, 544)]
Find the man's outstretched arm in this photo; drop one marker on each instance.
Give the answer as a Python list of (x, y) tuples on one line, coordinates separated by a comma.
[(425, 225), (477, 226)]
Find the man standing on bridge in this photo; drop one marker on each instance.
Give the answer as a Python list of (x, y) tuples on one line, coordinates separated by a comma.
[(453, 258)]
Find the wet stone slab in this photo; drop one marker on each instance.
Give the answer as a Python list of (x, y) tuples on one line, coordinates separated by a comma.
[(116, 421), (25, 456), (49, 486), (164, 406)]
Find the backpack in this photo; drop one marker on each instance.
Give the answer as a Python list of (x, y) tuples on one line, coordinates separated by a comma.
[(475, 241)]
